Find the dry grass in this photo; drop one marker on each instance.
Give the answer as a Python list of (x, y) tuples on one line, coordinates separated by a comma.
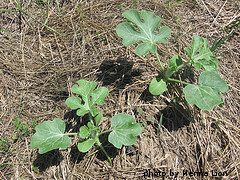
[(40, 67)]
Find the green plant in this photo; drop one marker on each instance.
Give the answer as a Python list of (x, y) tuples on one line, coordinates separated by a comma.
[(175, 3), (206, 94), (24, 129), (20, 10), (51, 134), (218, 42), (4, 144)]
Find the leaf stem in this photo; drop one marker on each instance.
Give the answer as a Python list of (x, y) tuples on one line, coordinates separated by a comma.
[(100, 145), (70, 134), (175, 80), (161, 66), (105, 132)]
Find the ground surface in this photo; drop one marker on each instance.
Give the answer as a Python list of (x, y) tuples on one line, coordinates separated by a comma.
[(38, 68)]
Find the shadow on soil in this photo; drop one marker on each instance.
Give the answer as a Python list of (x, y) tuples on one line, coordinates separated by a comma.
[(46, 160), (174, 117), (118, 72)]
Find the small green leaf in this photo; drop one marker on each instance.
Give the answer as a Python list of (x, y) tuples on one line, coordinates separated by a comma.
[(200, 54), (90, 125), (98, 118), (82, 111), (99, 95), (84, 132), (157, 86), (124, 130), (85, 146), (74, 102), (173, 65), (50, 135), (207, 94), (84, 88), (146, 34)]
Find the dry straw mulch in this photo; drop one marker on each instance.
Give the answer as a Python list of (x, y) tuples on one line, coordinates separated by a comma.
[(39, 67)]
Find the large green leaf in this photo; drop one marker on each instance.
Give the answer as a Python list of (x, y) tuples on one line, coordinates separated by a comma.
[(50, 135), (207, 94), (157, 86), (200, 54), (146, 33), (124, 130)]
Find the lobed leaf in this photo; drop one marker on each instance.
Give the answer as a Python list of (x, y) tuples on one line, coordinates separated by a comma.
[(84, 88), (124, 130), (207, 94), (90, 97), (147, 26), (99, 95), (50, 135), (200, 54)]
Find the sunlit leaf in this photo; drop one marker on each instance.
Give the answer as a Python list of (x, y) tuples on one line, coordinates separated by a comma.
[(50, 135), (157, 86), (124, 130), (146, 22), (207, 94), (200, 54)]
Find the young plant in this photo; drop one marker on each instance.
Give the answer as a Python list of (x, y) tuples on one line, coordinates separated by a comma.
[(51, 134), (206, 94)]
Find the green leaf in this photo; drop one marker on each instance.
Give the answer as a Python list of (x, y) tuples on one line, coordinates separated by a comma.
[(200, 54), (147, 26), (99, 95), (82, 111), (84, 132), (74, 102), (207, 94), (85, 89), (157, 86), (50, 135), (94, 130), (85, 146), (98, 118), (124, 130), (173, 65)]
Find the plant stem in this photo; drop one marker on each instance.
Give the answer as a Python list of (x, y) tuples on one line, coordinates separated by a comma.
[(100, 145), (70, 134), (9, 10), (105, 132), (175, 80), (91, 118), (161, 66)]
